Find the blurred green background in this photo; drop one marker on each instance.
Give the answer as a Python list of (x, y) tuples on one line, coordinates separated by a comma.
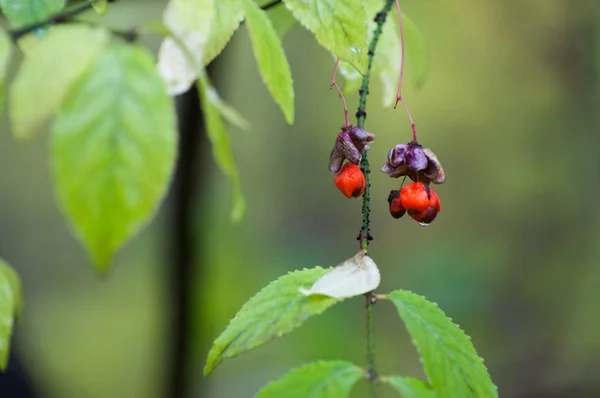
[(512, 109)]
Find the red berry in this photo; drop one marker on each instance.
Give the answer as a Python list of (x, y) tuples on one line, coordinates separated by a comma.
[(421, 202), (414, 197), (350, 180), (396, 208)]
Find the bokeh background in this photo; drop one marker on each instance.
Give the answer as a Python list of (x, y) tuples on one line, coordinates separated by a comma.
[(512, 109)]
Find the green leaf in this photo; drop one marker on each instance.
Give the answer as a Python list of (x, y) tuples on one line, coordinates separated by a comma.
[(388, 58), (227, 111), (54, 63), (272, 64), (11, 304), (409, 387), (5, 54), (351, 87), (451, 363), (114, 145), (331, 379), (27, 12), (274, 311), (100, 6), (388, 55), (190, 16), (221, 144), (282, 19), (353, 78), (180, 57), (417, 54), (338, 25), (227, 17)]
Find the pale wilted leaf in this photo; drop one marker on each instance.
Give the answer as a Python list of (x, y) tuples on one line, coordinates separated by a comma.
[(190, 22), (355, 276)]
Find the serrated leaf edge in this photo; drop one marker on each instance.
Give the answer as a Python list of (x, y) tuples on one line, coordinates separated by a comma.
[(482, 361), (210, 366), (352, 366)]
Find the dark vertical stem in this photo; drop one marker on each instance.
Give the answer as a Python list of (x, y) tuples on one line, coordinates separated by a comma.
[(184, 268), (15, 381), (365, 236)]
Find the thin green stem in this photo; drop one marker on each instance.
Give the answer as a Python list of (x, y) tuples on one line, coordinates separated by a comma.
[(371, 374), (365, 236)]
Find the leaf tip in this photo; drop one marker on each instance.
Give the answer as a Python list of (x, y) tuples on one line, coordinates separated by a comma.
[(102, 262), (100, 7), (289, 115), (239, 208), (213, 360), (208, 368)]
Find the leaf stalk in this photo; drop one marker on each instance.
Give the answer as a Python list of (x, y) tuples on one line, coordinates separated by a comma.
[(399, 94)]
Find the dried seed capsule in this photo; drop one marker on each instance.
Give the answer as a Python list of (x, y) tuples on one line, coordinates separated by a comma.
[(349, 144), (414, 161)]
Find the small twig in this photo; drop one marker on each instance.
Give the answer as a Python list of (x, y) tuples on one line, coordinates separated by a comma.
[(68, 15), (55, 19), (399, 93), (334, 84), (271, 4)]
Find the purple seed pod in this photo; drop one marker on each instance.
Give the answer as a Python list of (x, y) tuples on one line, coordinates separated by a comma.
[(412, 160), (415, 159), (397, 155), (361, 138), (349, 144)]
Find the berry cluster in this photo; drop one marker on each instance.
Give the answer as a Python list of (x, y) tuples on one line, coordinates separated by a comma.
[(410, 160), (417, 199)]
